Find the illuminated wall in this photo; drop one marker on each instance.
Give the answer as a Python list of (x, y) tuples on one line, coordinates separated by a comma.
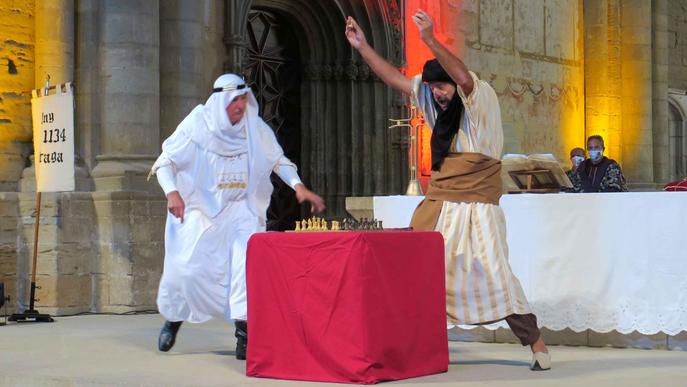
[(618, 80), (417, 53), (530, 51), (16, 76)]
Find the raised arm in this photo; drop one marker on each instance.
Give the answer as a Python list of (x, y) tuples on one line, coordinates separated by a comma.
[(455, 67), (384, 70)]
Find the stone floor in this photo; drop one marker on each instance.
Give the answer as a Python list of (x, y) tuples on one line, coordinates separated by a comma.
[(121, 350)]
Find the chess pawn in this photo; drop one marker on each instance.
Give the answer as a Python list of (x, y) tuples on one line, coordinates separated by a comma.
[(298, 225), (324, 225), (309, 225)]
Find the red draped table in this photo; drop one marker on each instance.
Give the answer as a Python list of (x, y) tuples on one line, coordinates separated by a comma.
[(351, 307)]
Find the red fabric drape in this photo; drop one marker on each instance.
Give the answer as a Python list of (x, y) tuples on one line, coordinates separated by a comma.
[(352, 307)]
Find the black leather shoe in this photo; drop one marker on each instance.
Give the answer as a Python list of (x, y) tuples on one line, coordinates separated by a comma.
[(168, 335), (241, 334)]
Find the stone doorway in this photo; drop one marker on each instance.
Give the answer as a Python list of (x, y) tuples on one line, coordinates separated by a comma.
[(345, 146), (273, 72)]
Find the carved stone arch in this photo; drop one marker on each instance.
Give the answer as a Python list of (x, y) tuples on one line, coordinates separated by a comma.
[(346, 148), (313, 21), (236, 18), (677, 107)]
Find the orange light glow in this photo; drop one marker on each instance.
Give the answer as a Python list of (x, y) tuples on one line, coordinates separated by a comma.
[(417, 53)]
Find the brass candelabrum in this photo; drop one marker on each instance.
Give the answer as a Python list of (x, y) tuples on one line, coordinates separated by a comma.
[(414, 188)]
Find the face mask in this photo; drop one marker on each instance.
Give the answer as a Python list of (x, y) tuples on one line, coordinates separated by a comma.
[(595, 154), (577, 160)]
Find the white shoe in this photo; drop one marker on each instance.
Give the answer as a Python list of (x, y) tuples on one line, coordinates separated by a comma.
[(541, 361)]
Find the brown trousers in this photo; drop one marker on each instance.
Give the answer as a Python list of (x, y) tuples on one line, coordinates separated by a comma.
[(524, 327)]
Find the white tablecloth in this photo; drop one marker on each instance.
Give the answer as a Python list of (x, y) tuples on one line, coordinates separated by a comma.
[(592, 261)]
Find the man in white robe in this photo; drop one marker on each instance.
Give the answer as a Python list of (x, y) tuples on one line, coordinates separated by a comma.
[(462, 201), (215, 171)]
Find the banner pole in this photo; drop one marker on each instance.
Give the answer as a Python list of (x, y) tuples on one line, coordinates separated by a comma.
[(32, 315), (32, 300)]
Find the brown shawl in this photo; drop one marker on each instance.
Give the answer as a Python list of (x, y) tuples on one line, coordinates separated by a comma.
[(463, 177)]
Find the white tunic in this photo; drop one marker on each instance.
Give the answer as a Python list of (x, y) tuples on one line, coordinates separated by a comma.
[(204, 270), (480, 286), (222, 172)]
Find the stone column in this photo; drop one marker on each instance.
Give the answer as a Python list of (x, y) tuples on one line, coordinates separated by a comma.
[(636, 93), (129, 89), (618, 83), (602, 73), (16, 78), (661, 127), (191, 57), (235, 38), (129, 210), (87, 81), (54, 41)]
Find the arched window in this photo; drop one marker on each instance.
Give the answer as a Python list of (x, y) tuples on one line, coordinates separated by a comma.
[(678, 156)]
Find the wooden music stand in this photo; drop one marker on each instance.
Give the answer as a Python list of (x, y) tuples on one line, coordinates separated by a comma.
[(534, 181)]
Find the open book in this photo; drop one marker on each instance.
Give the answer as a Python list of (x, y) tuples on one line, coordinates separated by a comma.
[(519, 162)]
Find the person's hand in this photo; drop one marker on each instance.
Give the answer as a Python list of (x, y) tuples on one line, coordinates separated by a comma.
[(425, 24), (175, 205), (354, 34), (303, 194)]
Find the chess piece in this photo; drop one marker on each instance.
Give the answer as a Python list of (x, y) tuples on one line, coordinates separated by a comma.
[(298, 225)]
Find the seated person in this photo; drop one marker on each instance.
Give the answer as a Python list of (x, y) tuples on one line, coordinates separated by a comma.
[(678, 185), (577, 156), (599, 173)]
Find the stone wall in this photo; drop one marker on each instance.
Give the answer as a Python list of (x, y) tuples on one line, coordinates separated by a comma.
[(127, 261), (531, 52), (65, 244), (677, 44), (9, 237), (191, 57), (97, 251), (16, 77)]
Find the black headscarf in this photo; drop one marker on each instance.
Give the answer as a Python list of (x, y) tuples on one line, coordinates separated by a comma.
[(448, 120)]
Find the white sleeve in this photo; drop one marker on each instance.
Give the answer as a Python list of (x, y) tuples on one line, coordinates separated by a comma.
[(167, 178), (287, 171)]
